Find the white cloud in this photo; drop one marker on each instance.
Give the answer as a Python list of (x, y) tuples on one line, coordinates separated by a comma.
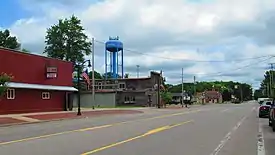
[(221, 29)]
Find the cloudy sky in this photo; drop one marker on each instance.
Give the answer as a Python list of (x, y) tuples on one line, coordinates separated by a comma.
[(209, 39)]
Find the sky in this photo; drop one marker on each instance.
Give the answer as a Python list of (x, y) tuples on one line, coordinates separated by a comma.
[(210, 39)]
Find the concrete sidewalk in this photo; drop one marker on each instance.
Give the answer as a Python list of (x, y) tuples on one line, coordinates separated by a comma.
[(14, 119), (25, 118)]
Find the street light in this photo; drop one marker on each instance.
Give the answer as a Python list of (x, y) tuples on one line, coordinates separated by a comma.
[(78, 83)]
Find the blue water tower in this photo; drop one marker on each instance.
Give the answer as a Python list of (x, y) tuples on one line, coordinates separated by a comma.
[(114, 57)]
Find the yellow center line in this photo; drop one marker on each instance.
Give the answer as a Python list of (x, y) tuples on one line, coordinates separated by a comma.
[(96, 127), (154, 131)]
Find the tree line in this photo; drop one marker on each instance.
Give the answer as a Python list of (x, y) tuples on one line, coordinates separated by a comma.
[(227, 89), (267, 86)]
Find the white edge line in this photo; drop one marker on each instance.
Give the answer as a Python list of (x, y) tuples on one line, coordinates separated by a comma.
[(261, 147), (227, 137)]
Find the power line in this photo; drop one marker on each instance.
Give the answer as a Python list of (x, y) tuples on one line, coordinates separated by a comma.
[(169, 58), (246, 66), (208, 74), (221, 73)]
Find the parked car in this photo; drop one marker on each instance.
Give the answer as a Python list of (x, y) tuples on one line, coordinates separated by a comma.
[(272, 117), (236, 101), (264, 109)]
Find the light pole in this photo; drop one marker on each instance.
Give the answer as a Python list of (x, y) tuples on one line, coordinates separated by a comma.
[(78, 83), (182, 87), (159, 91)]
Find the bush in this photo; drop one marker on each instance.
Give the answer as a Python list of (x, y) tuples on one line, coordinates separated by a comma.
[(4, 78), (166, 96)]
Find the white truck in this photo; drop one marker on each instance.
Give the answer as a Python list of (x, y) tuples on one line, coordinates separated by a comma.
[(261, 100)]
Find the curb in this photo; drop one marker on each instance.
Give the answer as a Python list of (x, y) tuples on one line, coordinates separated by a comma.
[(41, 121), (53, 120)]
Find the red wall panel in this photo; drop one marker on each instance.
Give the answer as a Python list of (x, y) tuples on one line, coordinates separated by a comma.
[(29, 68), (27, 100)]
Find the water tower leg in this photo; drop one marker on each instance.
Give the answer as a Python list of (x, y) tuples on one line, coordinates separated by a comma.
[(117, 63), (114, 64), (122, 67), (106, 64), (111, 64)]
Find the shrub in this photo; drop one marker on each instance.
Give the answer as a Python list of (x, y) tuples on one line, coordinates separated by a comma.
[(4, 78)]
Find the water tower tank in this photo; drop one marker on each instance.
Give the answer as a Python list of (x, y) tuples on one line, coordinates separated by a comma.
[(112, 49), (114, 45)]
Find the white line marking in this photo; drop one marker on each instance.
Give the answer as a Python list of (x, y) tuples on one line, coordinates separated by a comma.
[(227, 137), (261, 147), (225, 110)]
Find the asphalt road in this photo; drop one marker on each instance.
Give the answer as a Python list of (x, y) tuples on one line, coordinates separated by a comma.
[(200, 130)]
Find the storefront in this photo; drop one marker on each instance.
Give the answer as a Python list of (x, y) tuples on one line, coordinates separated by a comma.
[(39, 84)]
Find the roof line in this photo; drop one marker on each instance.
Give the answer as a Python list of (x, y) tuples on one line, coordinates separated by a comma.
[(21, 52)]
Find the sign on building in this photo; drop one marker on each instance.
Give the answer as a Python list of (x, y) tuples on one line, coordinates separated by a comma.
[(51, 72)]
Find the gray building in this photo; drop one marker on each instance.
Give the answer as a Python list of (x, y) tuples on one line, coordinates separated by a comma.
[(127, 91)]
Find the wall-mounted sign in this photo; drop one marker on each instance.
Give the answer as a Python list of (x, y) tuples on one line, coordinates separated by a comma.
[(51, 75), (51, 72), (51, 69)]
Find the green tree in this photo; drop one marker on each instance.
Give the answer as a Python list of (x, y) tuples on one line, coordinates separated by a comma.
[(258, 93), (67, 41), (225, 87), (25, 51), (166, 96), (8, 41), (97, 75), (109, 75), (4, 78), (266, 87), (126, 76)]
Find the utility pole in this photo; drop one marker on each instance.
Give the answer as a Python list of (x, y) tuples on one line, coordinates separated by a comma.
[(271, 80), (182, 86), (195, 87), (93, 70), (241, 91), (138, 71), (159, 91)]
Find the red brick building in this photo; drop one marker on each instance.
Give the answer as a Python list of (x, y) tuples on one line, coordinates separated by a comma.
[(209, 96), (39, 84)]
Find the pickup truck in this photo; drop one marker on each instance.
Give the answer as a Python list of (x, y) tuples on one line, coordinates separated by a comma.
[(272, 116)]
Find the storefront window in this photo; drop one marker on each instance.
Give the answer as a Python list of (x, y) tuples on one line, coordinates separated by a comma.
[(45, 95), (11, 94)]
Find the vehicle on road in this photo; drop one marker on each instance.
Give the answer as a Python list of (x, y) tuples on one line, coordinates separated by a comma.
[(236, 101), (264, 109), (261, 100), (272, 117)]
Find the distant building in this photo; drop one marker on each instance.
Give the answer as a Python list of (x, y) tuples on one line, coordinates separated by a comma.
[(209, 96), (127, 91), (177, 97), (39, 84)]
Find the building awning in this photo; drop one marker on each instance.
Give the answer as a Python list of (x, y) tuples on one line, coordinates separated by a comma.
[(39, 86)]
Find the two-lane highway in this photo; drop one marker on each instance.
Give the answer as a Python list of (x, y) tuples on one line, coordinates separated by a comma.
[(201, 130)]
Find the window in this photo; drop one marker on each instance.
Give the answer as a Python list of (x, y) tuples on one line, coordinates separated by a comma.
[(129, 99), (99, 85), (267, 103), (11, 94), (122, 85), (45, 95), (126, 98)]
